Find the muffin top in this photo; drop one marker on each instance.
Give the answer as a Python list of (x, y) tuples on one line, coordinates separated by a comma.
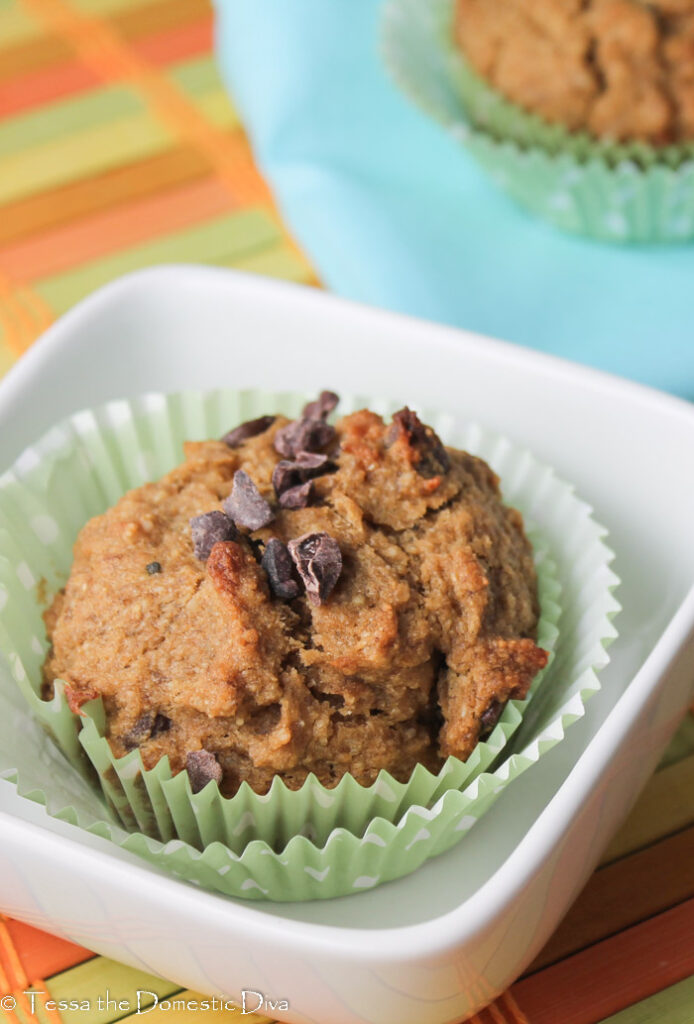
[(301, 598), (622, 70)]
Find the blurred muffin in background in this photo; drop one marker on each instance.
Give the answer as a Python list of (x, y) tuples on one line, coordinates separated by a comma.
[(580, 110), (621, 70)]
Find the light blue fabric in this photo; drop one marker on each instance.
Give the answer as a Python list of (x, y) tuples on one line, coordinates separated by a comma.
[(394, 213)]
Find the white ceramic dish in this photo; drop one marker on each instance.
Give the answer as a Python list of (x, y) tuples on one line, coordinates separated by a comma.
[(435, 946)]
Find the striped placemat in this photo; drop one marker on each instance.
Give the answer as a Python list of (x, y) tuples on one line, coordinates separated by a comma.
[(120, 149)]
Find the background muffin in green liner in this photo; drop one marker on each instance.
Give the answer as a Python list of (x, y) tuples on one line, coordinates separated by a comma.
[(253, 845), (610, 191)]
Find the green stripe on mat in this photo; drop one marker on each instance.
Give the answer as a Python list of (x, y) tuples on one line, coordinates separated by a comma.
[(104, 984), (674, 1005), (196, 76), (279, 261), (199, 80), (216, 108), (68, 117), (16, 26), (226, 240), (7, 358), (106, 7), (81, 155)]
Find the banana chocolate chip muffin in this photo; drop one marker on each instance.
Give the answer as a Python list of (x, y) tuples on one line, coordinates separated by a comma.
[(298, 598), (621, 70)]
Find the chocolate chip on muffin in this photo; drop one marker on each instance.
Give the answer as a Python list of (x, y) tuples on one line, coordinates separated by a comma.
[(245, 505), (428, 455), (292, 480), (146, 726), (251, 428), (278, 564), (304, 435), (318, 559), (208, 529), (298, 496), (202, 767), (322, 407)]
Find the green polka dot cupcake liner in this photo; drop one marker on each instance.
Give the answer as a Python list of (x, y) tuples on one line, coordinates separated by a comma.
[(283, 845), (616, 192)]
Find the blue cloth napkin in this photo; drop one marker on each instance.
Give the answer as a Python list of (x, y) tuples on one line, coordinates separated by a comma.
[(393, 212)]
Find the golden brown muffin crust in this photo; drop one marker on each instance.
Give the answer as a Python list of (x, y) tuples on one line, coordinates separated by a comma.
[(619, 69), (428, 632)]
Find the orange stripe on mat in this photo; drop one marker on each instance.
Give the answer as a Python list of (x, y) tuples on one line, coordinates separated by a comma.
[(41, 52), (52, 1015), (17, 325), (55, 251), (594, 984), (12, 1017), (490, 1015), (5, 986), (621, 894), (46, 210), (45, 86), (24, 1005), (23, 313), (16, 975), (515, 1014), (177, 44), (146, 19), (43, 955), (42, 316)]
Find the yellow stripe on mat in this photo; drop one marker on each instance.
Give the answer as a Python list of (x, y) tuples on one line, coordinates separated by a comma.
[(23, 315), (94, 151), (17, 26)]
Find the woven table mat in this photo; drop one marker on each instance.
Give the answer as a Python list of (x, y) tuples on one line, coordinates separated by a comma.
[(119, 149)]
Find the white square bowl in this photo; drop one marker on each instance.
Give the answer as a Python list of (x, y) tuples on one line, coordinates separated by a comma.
[(437, 945)]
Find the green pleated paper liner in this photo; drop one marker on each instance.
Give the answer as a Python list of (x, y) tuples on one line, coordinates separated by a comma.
[(252, 845), (489, 110), (346, 863), (616, 192)]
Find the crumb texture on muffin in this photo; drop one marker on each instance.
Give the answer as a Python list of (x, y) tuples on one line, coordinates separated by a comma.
[(619, 69), (382, 613)]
